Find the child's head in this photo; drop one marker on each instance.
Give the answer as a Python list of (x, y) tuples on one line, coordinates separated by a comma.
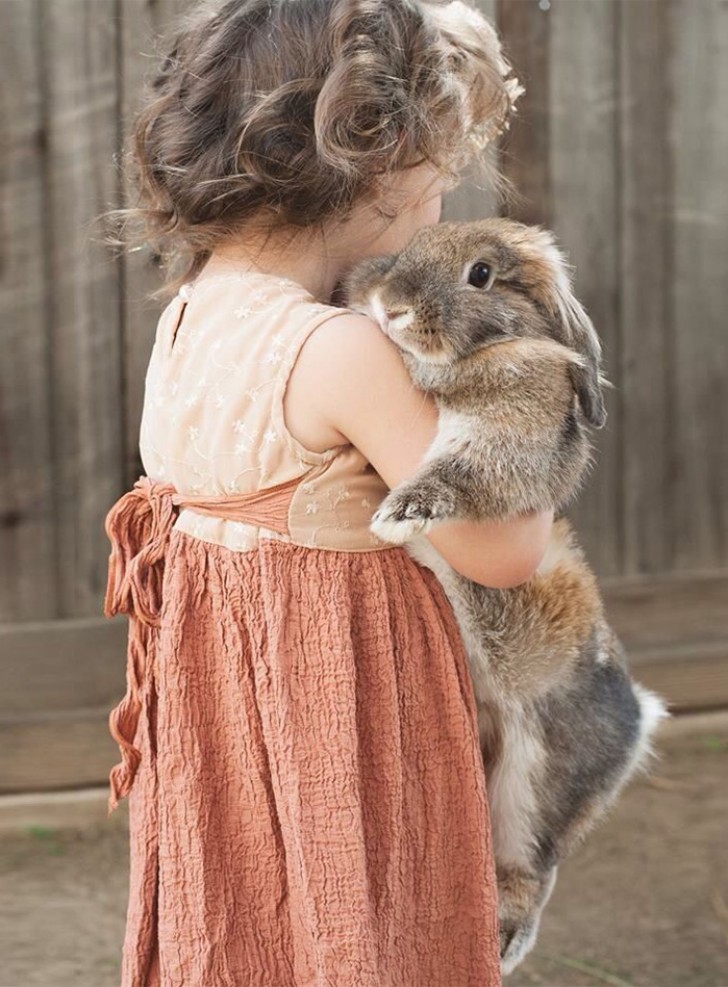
[(287, 115)]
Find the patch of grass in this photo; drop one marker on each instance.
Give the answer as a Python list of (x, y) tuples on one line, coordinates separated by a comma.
[(573, 963), (41, 832), (714, 743), (48, 837)]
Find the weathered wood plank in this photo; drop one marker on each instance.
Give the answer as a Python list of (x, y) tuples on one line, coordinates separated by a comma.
[(68, 750), (74, 748), (56, 665), (27, 549), (646, 372), (692, 680), (698, 290), (583, 166), (673, 611), (66, 808), (80, 53), (525, 158)]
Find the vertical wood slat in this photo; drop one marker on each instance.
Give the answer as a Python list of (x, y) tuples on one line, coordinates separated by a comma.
[(143, 27), (646, 371), (562, 160), (584, 168), (27, 549), (79, 49), (525, 30), (697, 291)]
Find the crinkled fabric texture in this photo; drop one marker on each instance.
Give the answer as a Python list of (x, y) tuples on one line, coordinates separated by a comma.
[(310, 808)]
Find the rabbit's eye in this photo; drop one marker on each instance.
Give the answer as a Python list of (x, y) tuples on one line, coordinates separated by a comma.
[(479, 275)]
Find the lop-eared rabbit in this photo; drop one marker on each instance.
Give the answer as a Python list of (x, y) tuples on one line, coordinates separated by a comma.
[(487, 323)]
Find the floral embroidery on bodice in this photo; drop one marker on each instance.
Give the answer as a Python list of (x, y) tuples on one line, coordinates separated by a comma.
[(213, 419)]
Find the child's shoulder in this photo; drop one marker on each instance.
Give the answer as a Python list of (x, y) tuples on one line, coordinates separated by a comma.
[(353, 378), (349, 342)]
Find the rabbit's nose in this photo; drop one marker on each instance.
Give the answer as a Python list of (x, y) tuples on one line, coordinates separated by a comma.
[(399, 318), (389, 317)]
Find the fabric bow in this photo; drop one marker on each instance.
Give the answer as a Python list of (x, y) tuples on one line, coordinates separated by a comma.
[(139, 527)]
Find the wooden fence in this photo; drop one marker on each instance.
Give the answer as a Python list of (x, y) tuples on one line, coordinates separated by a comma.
[(620, 146)]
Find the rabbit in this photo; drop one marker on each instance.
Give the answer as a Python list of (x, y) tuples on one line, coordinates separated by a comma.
[(486, 320)]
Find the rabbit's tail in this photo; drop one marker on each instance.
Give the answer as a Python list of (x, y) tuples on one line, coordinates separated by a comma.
[(653, 710)]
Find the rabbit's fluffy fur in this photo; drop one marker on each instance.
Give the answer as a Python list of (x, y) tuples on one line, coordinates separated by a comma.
[(486, 320)]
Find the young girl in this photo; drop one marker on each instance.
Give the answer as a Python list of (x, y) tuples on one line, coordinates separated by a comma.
[(309, 804)]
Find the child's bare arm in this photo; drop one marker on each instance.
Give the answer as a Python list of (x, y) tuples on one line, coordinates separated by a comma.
[(353, 384)]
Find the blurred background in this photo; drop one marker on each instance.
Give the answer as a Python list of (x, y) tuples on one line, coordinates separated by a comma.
[(620, 146)]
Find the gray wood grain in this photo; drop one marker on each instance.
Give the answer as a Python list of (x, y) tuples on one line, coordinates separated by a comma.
[(69, 750), (646, 371), (524, 151), (27, 488), (79, 50), (583, 167), (696, 291), (52, 665)]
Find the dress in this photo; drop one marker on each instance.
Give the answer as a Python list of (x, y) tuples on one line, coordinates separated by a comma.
[(308, 805)]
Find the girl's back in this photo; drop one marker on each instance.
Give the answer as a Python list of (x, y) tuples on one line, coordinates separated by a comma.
[(213, 420), (310, 804)]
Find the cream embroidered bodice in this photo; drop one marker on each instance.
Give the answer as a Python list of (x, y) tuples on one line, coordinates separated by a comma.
[(213, 422)]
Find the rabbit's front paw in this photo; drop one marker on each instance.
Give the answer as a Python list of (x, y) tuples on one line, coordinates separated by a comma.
[(396, 530), (402, 516)]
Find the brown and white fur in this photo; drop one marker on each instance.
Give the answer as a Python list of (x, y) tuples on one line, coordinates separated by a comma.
[(486, 321)]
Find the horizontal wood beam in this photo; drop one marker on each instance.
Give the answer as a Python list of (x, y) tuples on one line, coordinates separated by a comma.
[(64, 664), (61, 751), (59, 680)]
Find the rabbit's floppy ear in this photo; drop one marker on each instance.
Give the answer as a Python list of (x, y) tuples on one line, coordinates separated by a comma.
[(579, 333)]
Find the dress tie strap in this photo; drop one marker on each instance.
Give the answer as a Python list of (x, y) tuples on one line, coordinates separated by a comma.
[(139, 526)]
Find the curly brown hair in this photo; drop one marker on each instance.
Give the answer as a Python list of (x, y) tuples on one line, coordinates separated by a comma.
[(295, 110)]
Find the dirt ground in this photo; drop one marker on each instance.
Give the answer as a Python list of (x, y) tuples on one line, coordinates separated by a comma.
[(643, 903)]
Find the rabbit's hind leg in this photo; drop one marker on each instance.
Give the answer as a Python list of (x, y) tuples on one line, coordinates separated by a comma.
[(514, 757), (585, 740), (596, 733), (523, 898)]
